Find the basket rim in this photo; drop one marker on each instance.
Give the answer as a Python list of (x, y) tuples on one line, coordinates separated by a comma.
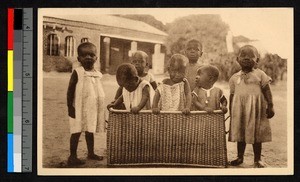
[(164, 112)]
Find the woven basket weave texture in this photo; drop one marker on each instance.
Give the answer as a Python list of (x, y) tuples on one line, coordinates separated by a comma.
[(166, 139)]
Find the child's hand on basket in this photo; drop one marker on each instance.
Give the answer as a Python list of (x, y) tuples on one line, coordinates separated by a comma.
[(111, 105), (270, 112), (135, 110), (186, 111), (155, 110), (208, 109), (224, 109)]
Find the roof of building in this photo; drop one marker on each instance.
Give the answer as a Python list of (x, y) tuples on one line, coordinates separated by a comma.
[(112, 21)]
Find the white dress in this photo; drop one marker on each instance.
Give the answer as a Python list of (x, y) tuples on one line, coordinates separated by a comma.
[(133, 99), (172, 98), (88, 103)]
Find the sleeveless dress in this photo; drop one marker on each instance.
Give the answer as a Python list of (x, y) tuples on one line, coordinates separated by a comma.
[(88, 103), (249, 121), (172, 98), (133, 99)]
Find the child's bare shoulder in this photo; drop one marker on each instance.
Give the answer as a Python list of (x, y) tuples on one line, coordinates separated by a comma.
[(166, 81)]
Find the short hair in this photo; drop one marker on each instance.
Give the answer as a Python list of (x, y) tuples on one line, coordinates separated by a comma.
[(84, 45), (144, 55), (247, 47), (178, 58), (211, 70), (126, 71), (195, 42)]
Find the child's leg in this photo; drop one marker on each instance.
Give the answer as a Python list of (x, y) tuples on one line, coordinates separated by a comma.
[(73, 160), (241, 146), (257, 156), (74, 144), (89, 137), (257, 151)]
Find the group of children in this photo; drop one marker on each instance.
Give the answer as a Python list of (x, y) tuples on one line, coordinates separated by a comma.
[(190, 86)]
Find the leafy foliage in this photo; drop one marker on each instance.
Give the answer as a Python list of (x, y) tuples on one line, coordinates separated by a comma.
[(57, 63), (210, 30)]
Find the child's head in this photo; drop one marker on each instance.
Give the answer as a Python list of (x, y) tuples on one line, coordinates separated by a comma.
[(248, 57), (140, 61), (207, 75), (87, 55), (127, 77), (193, 50), (177, 67)]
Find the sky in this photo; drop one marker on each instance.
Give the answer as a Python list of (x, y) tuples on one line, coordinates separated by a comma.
[(273, 27)]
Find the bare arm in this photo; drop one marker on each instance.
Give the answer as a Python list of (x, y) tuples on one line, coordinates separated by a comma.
[(230, 102), (71, 94), (155, 109), (154, 85), (266, 90), (117, 102), (118, 93), (223, 102), (188, 96)]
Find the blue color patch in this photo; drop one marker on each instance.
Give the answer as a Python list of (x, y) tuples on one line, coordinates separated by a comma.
[(10, 152)]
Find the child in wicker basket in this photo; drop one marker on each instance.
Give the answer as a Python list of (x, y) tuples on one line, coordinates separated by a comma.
[(205, 96), (140, 61), (251, 106), (137, 94), (85, 100), (174, 93)]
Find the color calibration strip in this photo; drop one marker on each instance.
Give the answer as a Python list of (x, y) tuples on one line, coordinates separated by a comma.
[(19, 90), (10, 85)]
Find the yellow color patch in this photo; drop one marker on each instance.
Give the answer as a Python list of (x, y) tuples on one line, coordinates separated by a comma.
[(10, 70)]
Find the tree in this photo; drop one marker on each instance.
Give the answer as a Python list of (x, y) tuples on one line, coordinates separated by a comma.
[(210, 30)]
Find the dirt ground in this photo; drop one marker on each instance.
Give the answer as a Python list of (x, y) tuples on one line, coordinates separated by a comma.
[(56, 133)]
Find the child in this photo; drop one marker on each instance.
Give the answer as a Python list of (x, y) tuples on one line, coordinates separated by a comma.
[(140, 61), (205, 96), (193, 52), (250, 106), (136, 93), (85, 100), (174, 93)]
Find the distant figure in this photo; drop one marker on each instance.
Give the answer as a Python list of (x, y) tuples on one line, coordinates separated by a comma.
[(85, 100), (136, 94), (174, 94), (250, 107), (193, 52), (205, 96), (140, 61)]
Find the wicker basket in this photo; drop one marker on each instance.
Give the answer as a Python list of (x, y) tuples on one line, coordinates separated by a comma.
[(167, 139)]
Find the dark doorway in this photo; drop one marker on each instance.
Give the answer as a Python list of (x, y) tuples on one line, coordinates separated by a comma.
[(118, 53), (113, 53)]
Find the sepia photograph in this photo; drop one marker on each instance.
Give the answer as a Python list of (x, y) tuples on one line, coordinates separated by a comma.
[(165, 91)]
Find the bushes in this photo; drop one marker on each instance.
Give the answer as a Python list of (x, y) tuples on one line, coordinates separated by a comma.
[(272, 64), (57, 63)]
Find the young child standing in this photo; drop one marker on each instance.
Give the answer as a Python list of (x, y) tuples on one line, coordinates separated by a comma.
[(85, 100), (250, 106), (137, 94), (174, 93), (205, 96), (193, 52)]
